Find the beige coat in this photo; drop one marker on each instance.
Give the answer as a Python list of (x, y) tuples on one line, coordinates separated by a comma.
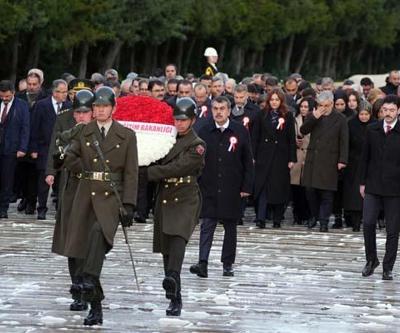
[(296, 173)]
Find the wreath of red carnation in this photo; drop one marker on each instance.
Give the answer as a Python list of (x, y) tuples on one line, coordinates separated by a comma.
[(143, 109)]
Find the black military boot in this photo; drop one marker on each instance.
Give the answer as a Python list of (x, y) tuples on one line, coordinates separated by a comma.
[(175, 306), (200, 269), (78, 304), (91, 289), (323, 225), (171, 284), (95, 316)]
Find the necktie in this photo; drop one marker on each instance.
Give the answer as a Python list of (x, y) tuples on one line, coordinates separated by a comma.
[(221, 129), (4, 114), (58, 108), (103, 132), (388, 129)]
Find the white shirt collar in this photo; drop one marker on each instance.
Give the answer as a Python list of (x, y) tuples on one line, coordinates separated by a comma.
[(224, 126), (391, 125), (55, 104), (9, 105)]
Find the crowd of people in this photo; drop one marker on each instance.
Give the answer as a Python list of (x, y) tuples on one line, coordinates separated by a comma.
[(264, 143)]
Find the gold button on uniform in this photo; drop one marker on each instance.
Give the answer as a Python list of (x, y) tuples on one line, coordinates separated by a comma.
[(93, 193), (164, 201), (176, 199), (95, 160), (117, 146), (166, 186), (107, 161), (87, 143), (106, 193)]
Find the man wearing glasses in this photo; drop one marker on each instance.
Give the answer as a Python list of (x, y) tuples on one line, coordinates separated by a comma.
[(44, 116), (380, 186)]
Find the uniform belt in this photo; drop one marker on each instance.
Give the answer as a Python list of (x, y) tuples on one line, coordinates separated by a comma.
[(100, 176), (180, 180)]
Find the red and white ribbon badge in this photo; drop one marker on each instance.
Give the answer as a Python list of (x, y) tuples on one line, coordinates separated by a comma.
[(203, 112), (281, 122), (233, 142), (246, 122)]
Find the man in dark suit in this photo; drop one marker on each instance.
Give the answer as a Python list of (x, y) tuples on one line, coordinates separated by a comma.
[(380, 185), (44, 116), (227, 177), (184, 89), (14, 139), (26, 175), (248, 114), (203, 106)]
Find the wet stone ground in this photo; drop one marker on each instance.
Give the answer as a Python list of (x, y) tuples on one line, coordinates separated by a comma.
[(287, 280)]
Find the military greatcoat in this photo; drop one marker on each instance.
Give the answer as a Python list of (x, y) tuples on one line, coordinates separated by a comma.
[(178, 198), (94, 199)]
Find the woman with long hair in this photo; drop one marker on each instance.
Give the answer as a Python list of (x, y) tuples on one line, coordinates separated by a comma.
[(301, 210), (276, 154)]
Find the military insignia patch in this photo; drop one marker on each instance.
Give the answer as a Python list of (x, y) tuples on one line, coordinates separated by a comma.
[(200, 149)]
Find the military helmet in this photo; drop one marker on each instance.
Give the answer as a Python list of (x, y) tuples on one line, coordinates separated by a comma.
[(185, 108), (83, 101), (104, 96)]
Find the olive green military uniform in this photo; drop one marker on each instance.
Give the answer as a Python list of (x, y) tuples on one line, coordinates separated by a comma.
[(178, 199), (94, 201), (69, 184)]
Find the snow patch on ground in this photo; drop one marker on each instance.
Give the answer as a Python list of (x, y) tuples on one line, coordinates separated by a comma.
[(173, 322), (195, 315), (114, 306), (370, 326), (52, 321), (10, 322), (63, 300), (221, 299)]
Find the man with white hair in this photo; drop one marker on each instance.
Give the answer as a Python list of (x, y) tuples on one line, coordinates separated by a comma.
[(327, 154)]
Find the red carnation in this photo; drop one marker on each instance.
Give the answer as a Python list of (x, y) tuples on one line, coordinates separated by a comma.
[(143, 109)]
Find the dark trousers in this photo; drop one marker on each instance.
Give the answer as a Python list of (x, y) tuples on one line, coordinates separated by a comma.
[(75, 267), (261, 211), (207, 230), (176, 253), (97, 249), (391, 208), (7, 169), (320, 202), (301, 209), (144, 195), (42, 191), (26, 182)]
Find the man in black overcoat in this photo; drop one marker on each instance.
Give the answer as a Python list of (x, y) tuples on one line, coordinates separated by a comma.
[(226, 179), (380, 185)]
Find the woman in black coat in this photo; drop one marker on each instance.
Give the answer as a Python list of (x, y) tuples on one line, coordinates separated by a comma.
[(352, 200), (276, 154)]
